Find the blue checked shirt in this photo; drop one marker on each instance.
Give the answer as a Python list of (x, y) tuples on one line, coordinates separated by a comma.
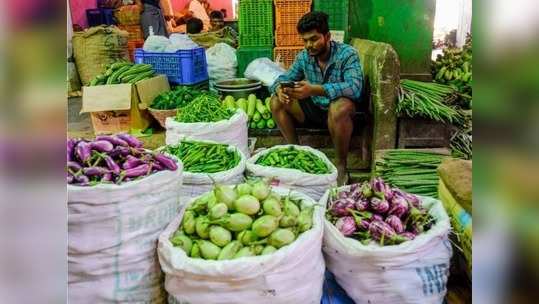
[(343, 76)]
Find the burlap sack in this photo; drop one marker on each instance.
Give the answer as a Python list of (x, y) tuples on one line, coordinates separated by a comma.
[(96, 47)]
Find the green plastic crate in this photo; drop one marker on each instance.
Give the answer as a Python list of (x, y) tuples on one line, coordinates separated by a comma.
[(338, 14), (247, 54), (256, 22)]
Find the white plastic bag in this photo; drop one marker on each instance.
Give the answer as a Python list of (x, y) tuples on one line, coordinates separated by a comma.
[(222, 62), (412, 272), (155, 43), (314, 185), (231, 132), (293, 274), (180, 42), (264, 70), (112, 239)]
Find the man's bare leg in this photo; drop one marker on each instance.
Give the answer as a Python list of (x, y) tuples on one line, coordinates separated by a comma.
[(284, 115), (341, 126)]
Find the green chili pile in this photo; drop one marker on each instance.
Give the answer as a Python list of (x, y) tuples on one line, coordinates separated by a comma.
[(205, 108), (202, 157), (292, 158)]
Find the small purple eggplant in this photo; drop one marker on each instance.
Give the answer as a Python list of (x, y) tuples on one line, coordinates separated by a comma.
[(166, 161), (71, 143), (138, 171), (73, 166), (101, 146), (379, 205), (381, 231), (361, 204), (342, 194), (157, 166), (70, 179), (346, 225), (82, 180), (95, 171), (113, 140), (83, 151), (131, 162), (408, 235), (107, 177), (395, 223), (399, 206), (340, 206), (376, 217), (120, 151), (112, 165), (364, 224), (130, 140)]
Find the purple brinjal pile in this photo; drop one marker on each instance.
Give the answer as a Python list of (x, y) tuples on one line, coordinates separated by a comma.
[(374, 211), (113, 160)]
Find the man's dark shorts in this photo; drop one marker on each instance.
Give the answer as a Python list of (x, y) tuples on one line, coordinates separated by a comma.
[(315, 116)]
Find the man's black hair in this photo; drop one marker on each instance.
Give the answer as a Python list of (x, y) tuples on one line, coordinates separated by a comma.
[(194, 26), (217, 15), (314, 21)]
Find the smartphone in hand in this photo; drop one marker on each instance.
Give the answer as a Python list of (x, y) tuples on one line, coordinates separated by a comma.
[(287, 84)]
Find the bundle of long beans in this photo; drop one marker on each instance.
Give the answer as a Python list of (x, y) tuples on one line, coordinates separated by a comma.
[(429, 100), (205, 108), (411, 171)]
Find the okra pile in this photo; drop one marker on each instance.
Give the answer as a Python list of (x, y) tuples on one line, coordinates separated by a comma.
[(205, 108), (376, 212), (246, 220), (202, 157), (292, 158), (112, 160)]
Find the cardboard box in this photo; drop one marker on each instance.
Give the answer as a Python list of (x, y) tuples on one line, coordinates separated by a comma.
[(121, 107)]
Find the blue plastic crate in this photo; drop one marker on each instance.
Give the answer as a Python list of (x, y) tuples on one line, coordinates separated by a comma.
[(108, 16), (185, 67)]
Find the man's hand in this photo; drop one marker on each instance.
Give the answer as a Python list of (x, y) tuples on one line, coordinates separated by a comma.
[(302, 90), (282, 95)]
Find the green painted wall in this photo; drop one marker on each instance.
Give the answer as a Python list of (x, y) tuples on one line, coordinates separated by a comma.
[(405, 24)]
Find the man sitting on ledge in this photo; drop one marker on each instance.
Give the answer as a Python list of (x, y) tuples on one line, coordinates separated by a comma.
[(321, 89)]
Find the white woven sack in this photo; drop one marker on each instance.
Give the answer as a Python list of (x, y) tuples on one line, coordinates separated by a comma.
[(293, 274), (113, 232), (412, 272), (314, 185), (231, 132)]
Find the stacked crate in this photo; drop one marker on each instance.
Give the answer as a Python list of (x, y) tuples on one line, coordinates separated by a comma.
[(288, 41), (338, 17), (256, 32), (128, 19)]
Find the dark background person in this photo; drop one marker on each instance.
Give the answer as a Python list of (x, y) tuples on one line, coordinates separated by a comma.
[(152, 16), (217, 20), (194, 26), (327, 81)]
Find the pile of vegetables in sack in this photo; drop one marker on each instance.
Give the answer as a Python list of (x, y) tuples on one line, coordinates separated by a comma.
[(115, 190), (258, 112), (384, 244), (206, 118), (206, 163), (112, 159), (268, 231), (297, 167), (123, 72)]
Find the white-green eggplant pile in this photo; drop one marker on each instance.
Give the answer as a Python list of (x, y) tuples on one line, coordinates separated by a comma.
[(246, 220)]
